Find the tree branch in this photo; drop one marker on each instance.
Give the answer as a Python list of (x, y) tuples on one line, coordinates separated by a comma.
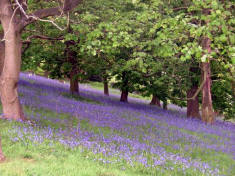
[(28, 40), (43, 37), (196, 93), (43, 13), (180, 8)]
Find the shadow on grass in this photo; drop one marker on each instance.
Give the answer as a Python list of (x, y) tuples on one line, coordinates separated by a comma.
[(77, 97)]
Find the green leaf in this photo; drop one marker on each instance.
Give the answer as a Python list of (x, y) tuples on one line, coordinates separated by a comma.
[(204, 58), (223, 38), (69, 37), (218, 12), (214, 5), (233, 60), (93, 52)]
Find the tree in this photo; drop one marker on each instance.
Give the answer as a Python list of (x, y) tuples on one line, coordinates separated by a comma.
[(207, 108), (193, 103), (14, 17), (71, 57), (56, 53), (208, 37), (108, 40)]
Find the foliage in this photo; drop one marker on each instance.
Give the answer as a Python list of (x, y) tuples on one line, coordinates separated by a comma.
[(155, 42)]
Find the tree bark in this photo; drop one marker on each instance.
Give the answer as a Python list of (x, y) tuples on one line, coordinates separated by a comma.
[(2, 54), (46, 74), (192, 100), (2, 157), (155, 101), (74, 87), (124, 96), (11, 67), (71, 57), (165, 104), (193, 104), (207, 108), (106, 86), (10, 77)]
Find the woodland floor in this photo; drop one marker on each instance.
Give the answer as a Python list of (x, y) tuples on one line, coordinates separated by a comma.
[(95, 135)]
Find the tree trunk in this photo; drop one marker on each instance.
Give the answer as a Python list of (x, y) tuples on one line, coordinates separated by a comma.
[(11, 68), (74, 87), (106, 86), (2, 54), (2, 157), (71, 57), (155, 101), (46, 74), (165, 104), (124, 96), (193, 104), (207, 108)]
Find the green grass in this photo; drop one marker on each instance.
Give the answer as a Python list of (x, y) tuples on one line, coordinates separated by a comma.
[(46, 160), (28, 159), (52, 161), (79, 98)]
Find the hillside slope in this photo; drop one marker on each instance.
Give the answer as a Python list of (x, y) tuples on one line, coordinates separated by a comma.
[(99, 133)]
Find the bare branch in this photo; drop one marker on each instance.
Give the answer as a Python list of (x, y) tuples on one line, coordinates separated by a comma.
[(43, 37), (39, 15)]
